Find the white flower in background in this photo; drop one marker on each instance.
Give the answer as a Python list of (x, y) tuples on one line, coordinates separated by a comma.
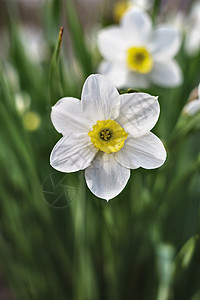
[(12, 76), (106, 134), (121, 7), (192, 34), (136, 55), (143, 4), (189, 25), (34, 43), (22, 102), (177, 20), (193, 106)]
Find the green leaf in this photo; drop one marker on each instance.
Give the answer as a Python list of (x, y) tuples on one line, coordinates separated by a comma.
[(76, 32), (55, 80), (186, 252)]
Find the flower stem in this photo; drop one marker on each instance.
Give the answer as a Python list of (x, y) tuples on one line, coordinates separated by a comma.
[(155, 10), (82, 272)]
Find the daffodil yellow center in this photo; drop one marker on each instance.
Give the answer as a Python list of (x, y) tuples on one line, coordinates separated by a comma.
[(120, 9), (108, 136), (139, 60)]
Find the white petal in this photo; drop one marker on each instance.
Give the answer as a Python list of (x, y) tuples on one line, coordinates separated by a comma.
[(113, 42), (167, 74), (165, 43), (121, 77), (199, 91), (116, 72), (67, 116), (72, 153), (100, 99), (139, 113), (192, 107), (105, 177), (192, 40), (146, 151), (137, 80), (138, 24)]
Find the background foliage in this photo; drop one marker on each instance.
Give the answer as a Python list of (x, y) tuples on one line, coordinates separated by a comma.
[(57, 240)]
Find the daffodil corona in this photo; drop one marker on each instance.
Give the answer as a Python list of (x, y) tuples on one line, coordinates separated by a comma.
[(106, 134), (139, 60)]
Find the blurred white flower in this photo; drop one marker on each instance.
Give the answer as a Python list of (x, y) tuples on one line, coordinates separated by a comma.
[(12, 76), (121, 7), (193, 106), (189, 25), (107, 134), (143, 4), (192, 30), (33, 42), (136, 55), (22, 102), (177, 20)]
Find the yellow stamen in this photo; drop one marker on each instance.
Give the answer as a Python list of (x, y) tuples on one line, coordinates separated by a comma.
[(139, 60), (108, 136)]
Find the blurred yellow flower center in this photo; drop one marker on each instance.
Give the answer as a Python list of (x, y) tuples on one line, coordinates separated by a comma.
[(139, 60), (120, 9), (31, 121), (108, 136)]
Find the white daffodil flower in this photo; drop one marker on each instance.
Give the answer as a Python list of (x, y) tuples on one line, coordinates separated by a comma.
[(107, 134), (121, 7), (136, 55), (143, 4), (192, 30), (193, 106)]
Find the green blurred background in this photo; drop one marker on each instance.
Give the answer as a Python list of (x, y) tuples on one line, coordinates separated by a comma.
[(57, 240)]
